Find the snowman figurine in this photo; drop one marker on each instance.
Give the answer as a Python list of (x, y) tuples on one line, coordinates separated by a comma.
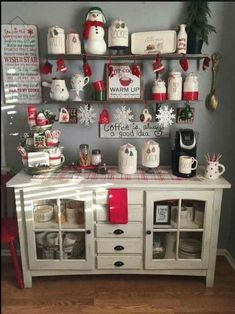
[(94, 32)]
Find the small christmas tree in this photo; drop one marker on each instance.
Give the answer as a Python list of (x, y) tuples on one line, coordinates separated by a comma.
[(197, 27)]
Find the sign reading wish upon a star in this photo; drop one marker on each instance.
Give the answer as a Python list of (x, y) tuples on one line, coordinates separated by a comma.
[(20, 63)]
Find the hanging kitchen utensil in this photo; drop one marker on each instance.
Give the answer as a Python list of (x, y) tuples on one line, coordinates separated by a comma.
[(211, 99)]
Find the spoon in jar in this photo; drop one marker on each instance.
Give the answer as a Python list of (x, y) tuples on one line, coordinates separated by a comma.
[(211, 99)]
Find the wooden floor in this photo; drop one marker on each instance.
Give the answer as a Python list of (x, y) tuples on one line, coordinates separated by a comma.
[(122, 294)]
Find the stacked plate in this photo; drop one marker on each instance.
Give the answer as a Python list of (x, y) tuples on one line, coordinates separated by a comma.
[(189, 248)]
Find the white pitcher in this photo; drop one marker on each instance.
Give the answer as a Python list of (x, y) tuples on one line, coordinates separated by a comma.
[(59, 91)]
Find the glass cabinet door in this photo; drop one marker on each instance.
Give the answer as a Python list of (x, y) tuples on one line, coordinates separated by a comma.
[(177, 229), (61, 231)]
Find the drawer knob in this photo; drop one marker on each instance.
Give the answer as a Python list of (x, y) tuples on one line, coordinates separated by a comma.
[(118, 231), (119, 248), (88, 231), (118, 264), (149, 232)]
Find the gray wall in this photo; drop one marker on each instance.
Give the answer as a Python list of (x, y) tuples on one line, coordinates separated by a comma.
[(216, 130)]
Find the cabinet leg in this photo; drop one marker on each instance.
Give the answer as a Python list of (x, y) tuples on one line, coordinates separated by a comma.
[(210, 280), (27, 279)]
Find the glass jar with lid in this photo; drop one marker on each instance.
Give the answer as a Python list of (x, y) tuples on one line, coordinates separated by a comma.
[(84, 155), (96, 157)]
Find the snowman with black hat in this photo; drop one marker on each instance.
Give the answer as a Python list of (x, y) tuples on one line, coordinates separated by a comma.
[(93, 33)]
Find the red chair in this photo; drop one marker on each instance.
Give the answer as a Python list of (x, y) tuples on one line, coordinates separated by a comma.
[(10, 231)]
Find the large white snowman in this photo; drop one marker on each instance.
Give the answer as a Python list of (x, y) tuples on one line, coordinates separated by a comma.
[(94, 32)]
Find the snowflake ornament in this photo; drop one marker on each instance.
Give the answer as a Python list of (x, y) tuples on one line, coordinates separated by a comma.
[(123, 115), (165, 116), (86, 115)]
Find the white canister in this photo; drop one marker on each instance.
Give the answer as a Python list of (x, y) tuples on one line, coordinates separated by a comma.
[(118, 34), (150, 154), (73, 44), (56, 40), (190, 91), (174, 91), (159, 90), (127, 159)]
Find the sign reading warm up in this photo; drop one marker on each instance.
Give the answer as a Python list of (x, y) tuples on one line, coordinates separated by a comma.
[(133, 130), (20, 63)]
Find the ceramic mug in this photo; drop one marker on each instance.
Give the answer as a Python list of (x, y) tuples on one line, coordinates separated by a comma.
[(186, 215), (185, 164), (52, 238), (70, 239), (199, 217), (40, 238), (212, 170)]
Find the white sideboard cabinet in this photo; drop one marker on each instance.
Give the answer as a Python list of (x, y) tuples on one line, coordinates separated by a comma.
[(64, 228)]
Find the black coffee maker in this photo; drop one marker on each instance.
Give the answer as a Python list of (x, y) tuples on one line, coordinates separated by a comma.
[(185, 144)]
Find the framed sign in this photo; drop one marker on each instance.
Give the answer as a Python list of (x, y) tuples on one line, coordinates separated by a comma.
[(162, 214), (20, 64), (122, 83)]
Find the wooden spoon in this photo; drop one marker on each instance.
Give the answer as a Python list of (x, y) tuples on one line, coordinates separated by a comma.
[(211, 99)]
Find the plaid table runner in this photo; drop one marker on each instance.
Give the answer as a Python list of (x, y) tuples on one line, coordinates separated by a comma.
[(161, 174)]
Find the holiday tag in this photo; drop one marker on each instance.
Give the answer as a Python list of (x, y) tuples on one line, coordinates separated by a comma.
[(104, 117), (63, 115)]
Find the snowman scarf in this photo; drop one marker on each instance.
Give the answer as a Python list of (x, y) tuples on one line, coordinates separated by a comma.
[(88, 25)]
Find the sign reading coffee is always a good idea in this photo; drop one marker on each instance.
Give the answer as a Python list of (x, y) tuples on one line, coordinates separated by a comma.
[(122, 83), (133, 130), (20, 62)]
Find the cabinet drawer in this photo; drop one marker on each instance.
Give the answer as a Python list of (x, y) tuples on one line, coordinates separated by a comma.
[(134, 196), (135, 212), (130, 230), (119, 262), (119, 246)]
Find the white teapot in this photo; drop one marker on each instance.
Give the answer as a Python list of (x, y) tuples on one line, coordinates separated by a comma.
[(78, 82), (150, 154), (59, 91)]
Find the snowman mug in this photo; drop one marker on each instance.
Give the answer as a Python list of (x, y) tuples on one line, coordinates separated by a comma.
[(212, 170)]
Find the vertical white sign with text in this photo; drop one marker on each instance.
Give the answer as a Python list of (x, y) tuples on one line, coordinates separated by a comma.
[(20, 63)]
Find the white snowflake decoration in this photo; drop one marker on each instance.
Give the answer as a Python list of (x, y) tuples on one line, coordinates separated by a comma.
[(165, 116), (86, 115), (123, 115)]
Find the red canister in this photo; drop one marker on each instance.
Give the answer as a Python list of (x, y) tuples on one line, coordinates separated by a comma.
[(32, 114), (190, 91)]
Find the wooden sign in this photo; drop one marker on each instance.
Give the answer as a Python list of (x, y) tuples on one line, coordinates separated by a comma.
[(122, 83), (20, 63), (133, 130)]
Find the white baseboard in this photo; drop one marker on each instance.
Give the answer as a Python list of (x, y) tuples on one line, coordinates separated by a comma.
[(220, 252), (225, 253)]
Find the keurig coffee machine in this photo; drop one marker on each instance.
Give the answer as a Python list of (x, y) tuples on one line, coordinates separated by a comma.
[(185, 145)]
